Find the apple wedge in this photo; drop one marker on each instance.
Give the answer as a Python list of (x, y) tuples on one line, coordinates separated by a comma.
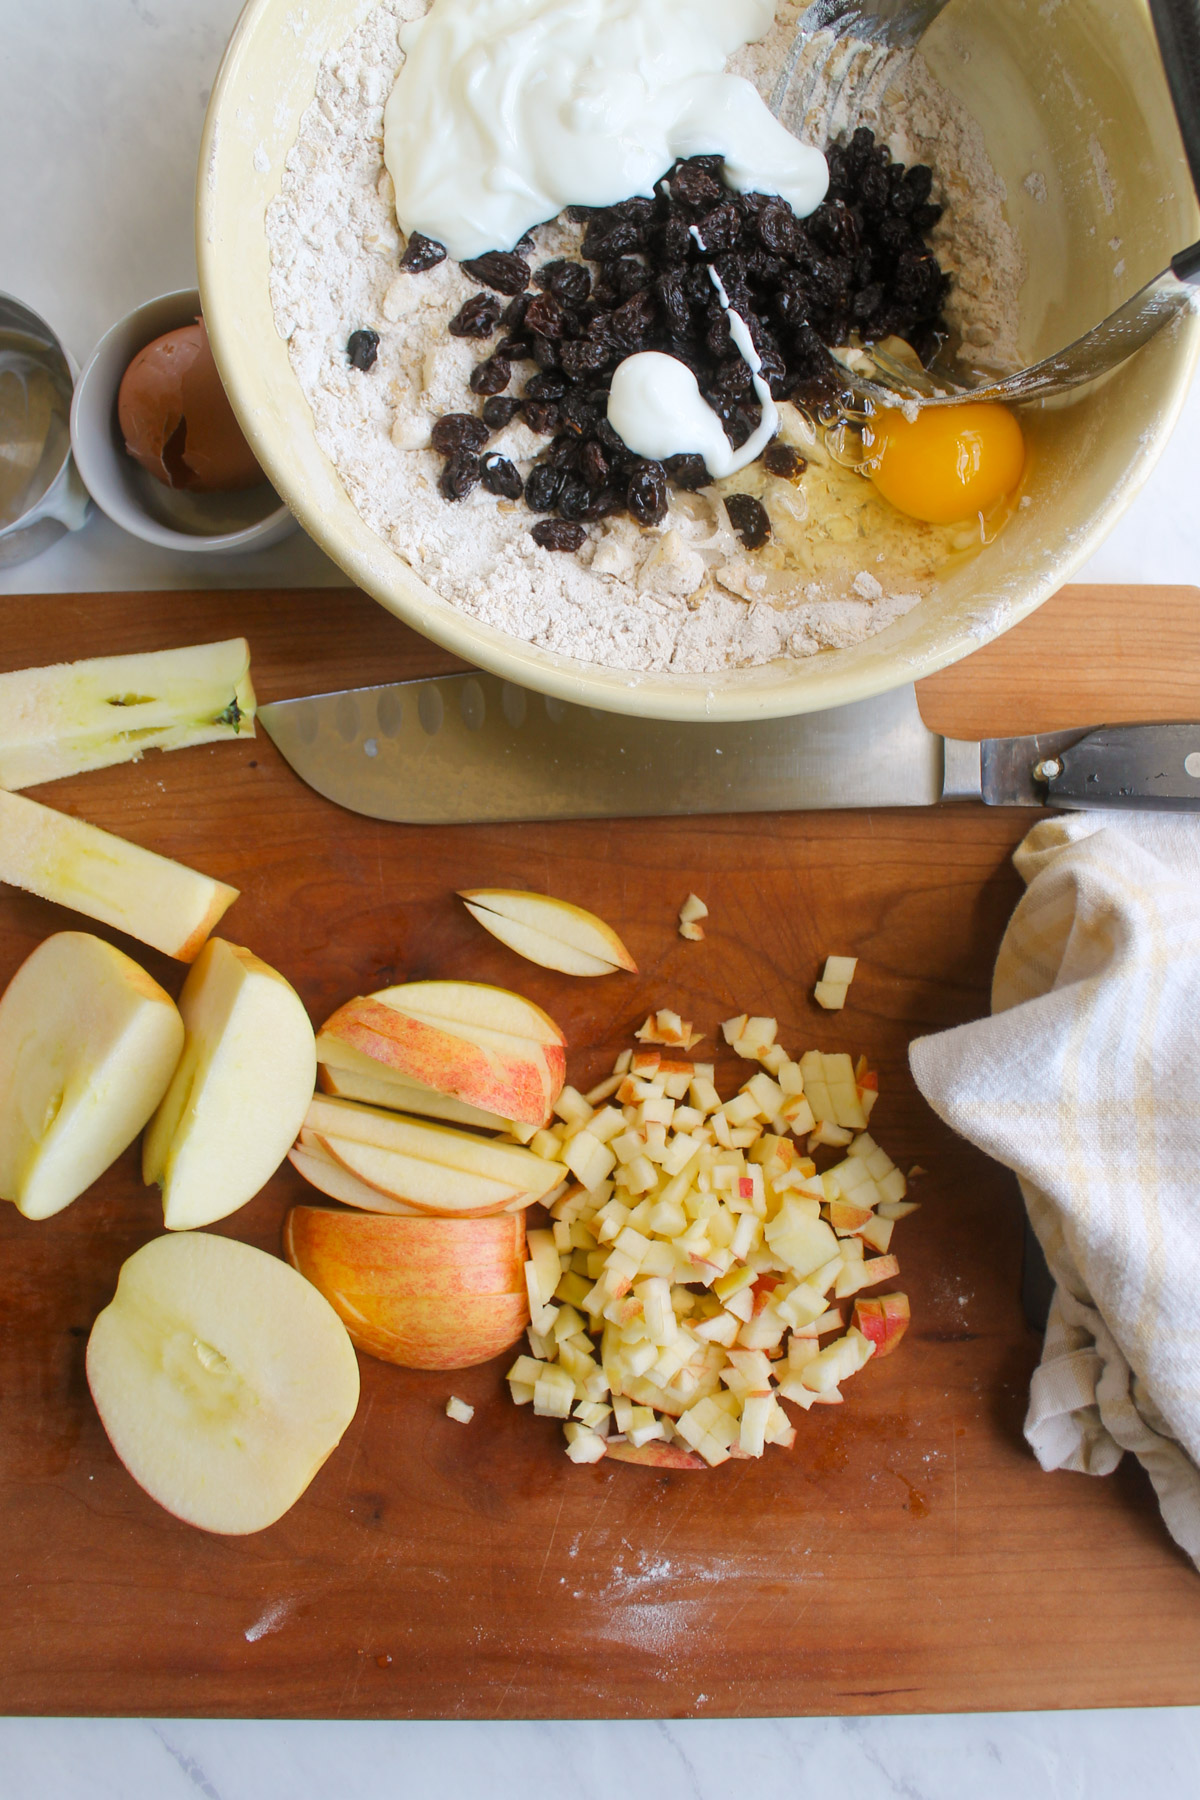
[(431, 1187), (88, 1043), (327, 1175), (162, 903), (475, 1003), (70, 717), (483, 1065), (551, 932), (425, 1293), (376, 1086), (222, 1378), (656, 1456), (438, 1144), (240, 1092)]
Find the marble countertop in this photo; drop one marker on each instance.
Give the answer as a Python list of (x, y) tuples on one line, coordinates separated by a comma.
[(101, 103)]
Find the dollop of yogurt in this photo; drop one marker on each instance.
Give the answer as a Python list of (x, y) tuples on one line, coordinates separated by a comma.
[(505, 111), (656, 408)]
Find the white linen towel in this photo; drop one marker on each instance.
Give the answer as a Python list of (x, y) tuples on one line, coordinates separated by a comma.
[(1085, 1081)]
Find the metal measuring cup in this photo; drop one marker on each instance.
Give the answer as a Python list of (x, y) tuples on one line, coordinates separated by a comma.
[(41, 494)]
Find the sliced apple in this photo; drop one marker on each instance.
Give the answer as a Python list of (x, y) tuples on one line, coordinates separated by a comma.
[(376, 1086), (88, 1043), (240, 1092), (428, 1294), (325, 1173), (656, 1456), (548, 931), (518, 1078), (441, 1144), (162, 903), (430, 1186), (69, 717), (475, 1003), (222, 1378)]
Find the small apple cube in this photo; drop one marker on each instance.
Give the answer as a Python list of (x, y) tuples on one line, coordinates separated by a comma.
[(883, 1320), (459, 1410)]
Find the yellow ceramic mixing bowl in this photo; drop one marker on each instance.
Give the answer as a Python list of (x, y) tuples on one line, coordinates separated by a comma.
[(1077, 121)]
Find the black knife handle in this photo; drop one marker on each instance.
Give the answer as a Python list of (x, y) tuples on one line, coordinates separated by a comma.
[(1177, 28), (1147, 767)]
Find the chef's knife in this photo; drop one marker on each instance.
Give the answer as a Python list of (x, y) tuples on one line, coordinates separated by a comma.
[(473, 749)]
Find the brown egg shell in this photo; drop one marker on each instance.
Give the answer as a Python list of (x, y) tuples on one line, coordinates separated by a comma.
[(176, 418)]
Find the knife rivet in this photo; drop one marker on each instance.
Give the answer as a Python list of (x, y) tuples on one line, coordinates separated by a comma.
[(1191, 764), (371, 747), (1049, 769)]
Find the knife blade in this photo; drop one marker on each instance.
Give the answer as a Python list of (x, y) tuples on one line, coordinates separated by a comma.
[(472, 749)]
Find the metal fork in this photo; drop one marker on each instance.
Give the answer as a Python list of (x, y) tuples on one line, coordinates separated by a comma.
[(887, 25)]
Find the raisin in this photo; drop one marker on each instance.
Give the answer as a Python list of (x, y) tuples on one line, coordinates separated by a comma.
[(687, 470), (593, 465), (630, 276), (546, 386), (748, 517), (362, 347), (781, 459), (458, 431), (477, 317), (514, 349), (693, 186), (513, 316), (569, 282), (582, 357), (608, 501), (633, 322), (459, 475), (544, 314), (778, 230), (721, 228), (503, 270), (491, 376), (543, 487), (578, 416), (672, 299), (541, 416), (558, 534), (500, 410), (542, 350), (501, 476), (574, 497), (646, 495), (422, 253)]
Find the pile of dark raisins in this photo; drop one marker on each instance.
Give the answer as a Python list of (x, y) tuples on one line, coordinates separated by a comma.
[(859, 264)]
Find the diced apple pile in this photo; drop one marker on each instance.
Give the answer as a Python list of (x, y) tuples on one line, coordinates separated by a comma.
[(694, 1276)]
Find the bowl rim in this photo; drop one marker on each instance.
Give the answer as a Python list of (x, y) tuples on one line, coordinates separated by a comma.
[(91, 455), (680, 698)]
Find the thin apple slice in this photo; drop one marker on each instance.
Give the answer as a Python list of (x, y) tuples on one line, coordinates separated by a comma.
[(162, 903), (514, 1079), (223, 1379), (442, 1144), (88, 1043), (240, 1092), (328, 1176), (429, 1185), (69, 717), (656, 1456), (418, 1293), (379, 1089), (475, 1003), (552, 932)]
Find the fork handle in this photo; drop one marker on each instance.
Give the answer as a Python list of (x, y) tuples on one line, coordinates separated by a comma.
[(1177, 28)]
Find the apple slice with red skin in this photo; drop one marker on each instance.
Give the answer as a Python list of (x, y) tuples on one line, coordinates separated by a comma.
[(884, 1320), (430, 1186), (424, 1293), (440, 1144), (517, 1078), (656, 1456), (554, 933), (371, 1083)]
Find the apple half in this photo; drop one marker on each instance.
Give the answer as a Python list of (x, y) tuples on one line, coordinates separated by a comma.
[(223, 1380), (553, 933), (482, 1045), (424, 1293), (241, 1090), (88, 1044)]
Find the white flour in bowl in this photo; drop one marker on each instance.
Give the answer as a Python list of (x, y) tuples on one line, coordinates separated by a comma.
[(684, 596)]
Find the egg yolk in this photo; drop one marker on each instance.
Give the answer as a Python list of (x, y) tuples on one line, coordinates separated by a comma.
[(948, 463)]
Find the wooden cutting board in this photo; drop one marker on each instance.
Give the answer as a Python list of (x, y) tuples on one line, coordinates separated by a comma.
[(907, 1556)]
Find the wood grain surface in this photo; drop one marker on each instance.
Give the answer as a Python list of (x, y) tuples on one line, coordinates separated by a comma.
[(908, 1555)]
